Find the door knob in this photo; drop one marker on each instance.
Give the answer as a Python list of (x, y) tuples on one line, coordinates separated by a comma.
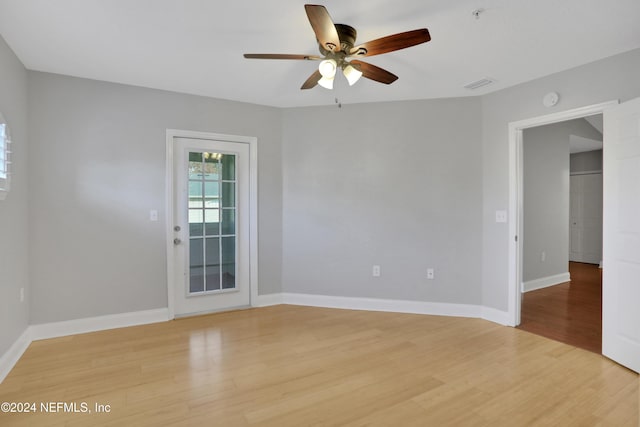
[(177, 241)]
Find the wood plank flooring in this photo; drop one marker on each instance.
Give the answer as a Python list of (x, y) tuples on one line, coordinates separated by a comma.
[(304, 366), (570, 312)]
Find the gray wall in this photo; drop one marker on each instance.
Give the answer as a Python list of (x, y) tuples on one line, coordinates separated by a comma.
[(587, 161), (14, 273), (546, 196), (612, 78), (97, 163), (406, 185), (396, 184)]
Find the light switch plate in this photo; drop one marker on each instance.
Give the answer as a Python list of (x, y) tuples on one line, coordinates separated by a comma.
[(501, 216), (376, 271)]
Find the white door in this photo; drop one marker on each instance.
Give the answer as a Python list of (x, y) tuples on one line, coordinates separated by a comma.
[(211, 251), (621, 272), (585, 228)]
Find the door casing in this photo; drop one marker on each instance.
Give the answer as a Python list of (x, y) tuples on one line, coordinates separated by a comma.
[(515, 209)]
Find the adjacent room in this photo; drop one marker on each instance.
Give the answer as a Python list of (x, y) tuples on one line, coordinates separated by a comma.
[(562, 238), (279, 213)]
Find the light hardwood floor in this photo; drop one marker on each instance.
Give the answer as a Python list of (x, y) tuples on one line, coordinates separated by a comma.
[(304, 366)]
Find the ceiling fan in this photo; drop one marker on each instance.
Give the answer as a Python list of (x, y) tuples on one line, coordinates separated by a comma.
[(337, 46)]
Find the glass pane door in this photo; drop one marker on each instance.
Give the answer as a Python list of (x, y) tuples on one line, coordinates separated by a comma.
[(212, 222)]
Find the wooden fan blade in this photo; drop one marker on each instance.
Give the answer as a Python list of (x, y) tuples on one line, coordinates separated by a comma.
[(391, 43), (323, 26), (312, 81), (281, 56), (375, 73)]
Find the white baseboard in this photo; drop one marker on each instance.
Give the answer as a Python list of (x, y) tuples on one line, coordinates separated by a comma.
[(100, 323), (545, 282), (496, 316), (14, 353), (268, 299), (76, 326), (376, 304)]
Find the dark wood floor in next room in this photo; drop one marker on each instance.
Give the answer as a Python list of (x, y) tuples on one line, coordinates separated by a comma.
[(570, 312)]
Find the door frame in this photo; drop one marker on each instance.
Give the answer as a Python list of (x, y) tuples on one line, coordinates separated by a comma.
[(515, 209), (253, 207)]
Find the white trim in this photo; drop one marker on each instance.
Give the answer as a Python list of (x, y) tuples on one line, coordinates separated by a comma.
[(496, 316), (9, 359), (545, 282), (77, 326), (169, 224), (376, 304), (253, 220), (268, 299), (100, 323), (253, 207), (515, 192), (395, 306), (515, 224)]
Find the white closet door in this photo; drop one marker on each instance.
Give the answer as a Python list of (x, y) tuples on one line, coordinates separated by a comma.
[(586, 218)]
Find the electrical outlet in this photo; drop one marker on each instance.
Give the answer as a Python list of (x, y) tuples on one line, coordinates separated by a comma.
[(543, 256), (21, 294), (376, 271), (430, 273), (501, 216)]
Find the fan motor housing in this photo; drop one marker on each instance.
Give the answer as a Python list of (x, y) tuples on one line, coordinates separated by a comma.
[(347, 35)]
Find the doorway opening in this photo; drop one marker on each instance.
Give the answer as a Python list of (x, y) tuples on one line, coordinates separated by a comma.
[(562, 231), (516, 211)]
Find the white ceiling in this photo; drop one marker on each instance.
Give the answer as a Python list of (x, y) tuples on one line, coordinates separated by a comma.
[(579, 144), (596, 121), (196, 46)]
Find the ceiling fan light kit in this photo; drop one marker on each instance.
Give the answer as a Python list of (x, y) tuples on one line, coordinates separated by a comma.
[(326, 82), (336, 43), (352, 74), (328, 68)]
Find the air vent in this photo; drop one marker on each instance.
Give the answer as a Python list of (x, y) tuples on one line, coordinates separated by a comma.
[(479, 83)]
